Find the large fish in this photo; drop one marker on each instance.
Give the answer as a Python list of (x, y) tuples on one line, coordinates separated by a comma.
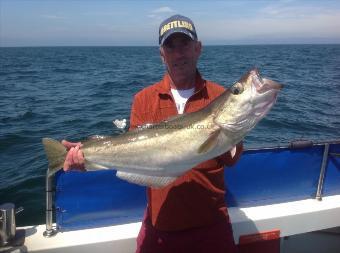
[(156, 155)]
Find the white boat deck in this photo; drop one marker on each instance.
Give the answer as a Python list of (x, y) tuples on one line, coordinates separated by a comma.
[(293, 219), (290, 218)]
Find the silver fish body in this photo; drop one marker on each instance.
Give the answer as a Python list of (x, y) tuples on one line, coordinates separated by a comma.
[(156, 155)]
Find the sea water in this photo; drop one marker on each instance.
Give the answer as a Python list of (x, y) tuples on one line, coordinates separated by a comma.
[(75, 92)]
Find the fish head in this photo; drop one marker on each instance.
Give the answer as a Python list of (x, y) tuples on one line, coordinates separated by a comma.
[(248, 101)]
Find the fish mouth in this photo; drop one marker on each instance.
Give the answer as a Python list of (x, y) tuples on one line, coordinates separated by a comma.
[(263, 85), (265, 93), (259, 96), (261, 109)]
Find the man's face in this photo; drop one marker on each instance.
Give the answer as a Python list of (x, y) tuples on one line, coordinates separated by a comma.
[(180, 54)]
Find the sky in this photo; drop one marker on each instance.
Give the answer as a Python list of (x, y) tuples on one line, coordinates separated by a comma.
[(135, 23)]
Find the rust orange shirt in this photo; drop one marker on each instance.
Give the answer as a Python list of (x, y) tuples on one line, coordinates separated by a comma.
[(196, 198)]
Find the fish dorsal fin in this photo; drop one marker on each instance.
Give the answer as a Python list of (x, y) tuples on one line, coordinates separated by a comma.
[(145, 180), (210, 142)]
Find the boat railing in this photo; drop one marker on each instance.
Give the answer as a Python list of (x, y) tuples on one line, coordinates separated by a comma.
[(327, 153), (322, 173)]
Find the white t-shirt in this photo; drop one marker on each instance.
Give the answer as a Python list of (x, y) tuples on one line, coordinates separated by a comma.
[(181, 97)]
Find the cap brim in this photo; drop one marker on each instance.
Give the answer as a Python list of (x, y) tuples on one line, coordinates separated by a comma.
[(173, 31)]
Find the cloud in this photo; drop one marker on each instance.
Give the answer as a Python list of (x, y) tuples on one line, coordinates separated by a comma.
[(164, 9), (152, 16), (286, 10), (160, 14), (278, 25)]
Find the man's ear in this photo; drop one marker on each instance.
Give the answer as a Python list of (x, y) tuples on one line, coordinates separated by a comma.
[(198, 48)]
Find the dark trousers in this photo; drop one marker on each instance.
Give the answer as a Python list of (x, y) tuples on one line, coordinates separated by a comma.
[(217, 238)]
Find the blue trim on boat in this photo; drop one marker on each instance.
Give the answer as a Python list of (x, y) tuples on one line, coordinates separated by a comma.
[(332, 178), (95, 199), (273, 176), (261, 177)]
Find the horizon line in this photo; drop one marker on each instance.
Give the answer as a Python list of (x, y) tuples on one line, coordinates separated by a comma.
[(205, 45)]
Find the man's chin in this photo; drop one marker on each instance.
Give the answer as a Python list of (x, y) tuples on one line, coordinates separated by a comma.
[(183, 73)]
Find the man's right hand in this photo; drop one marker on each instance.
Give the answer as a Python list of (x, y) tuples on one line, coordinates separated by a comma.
[(75, 158)]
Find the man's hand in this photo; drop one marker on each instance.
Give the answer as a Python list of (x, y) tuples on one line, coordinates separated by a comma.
[(75, 158)]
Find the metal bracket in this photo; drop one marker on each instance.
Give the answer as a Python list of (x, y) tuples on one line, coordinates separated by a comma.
[(50, 230), (322, 172)]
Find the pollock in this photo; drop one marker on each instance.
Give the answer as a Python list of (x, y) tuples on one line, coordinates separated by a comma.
[(155, 155)]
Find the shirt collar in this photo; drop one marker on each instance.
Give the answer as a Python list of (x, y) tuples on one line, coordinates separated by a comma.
[(164, 87)]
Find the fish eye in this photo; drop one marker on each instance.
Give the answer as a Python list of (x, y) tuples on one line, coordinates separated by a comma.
[(236, 89)]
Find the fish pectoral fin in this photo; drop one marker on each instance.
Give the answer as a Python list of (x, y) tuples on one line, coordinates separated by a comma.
[(145, 180), (210, 142)]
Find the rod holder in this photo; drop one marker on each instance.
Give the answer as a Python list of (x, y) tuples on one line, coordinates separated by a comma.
[(50, 230)]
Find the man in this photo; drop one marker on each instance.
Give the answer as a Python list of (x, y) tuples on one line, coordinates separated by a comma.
[(190, 214)]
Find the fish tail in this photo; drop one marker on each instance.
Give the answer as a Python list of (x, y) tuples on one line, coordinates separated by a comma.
[(56, 154)]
